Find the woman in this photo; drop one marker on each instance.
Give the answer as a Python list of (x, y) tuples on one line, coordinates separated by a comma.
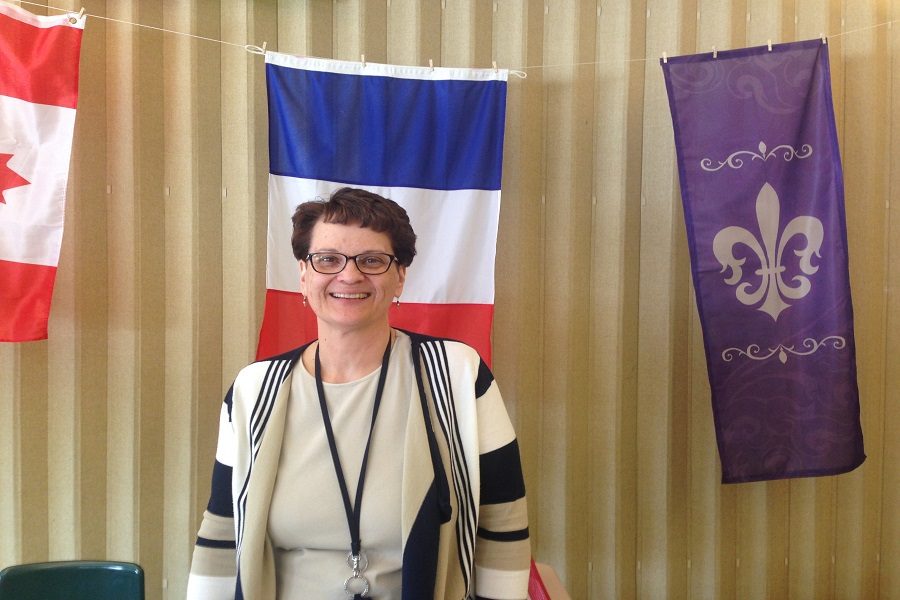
[(373, 462)]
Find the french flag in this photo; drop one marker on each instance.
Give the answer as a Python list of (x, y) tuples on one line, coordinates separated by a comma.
[(429, 139), (38, 95)]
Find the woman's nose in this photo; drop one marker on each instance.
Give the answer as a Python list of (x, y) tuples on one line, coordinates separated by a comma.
[(351, 272)]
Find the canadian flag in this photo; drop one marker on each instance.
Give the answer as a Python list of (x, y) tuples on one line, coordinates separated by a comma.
[(38, 94)]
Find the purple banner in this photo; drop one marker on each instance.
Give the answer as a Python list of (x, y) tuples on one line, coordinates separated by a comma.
[(763, 199)]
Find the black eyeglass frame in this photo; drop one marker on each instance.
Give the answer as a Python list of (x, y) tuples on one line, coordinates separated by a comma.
[(355, 259)]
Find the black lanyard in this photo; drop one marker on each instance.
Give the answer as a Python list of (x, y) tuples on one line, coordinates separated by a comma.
[(356, 562)]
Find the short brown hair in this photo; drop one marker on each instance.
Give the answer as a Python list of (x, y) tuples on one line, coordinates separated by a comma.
[(352, 206)]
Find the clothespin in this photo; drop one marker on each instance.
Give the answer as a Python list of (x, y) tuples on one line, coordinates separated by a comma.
[(73, 19), (769, 44), (431, 65), (665, 57), (362, 59), (494, 63), (715, 52), (824, 39)]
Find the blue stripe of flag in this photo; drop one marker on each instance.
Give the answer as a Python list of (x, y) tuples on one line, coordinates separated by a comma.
[(385, 131)]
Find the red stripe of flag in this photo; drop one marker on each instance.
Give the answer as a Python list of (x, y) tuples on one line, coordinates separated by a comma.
[(25, 301), (469, 323), (39, 65)]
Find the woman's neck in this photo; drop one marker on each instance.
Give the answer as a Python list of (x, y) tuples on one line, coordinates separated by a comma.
[(348, 356)]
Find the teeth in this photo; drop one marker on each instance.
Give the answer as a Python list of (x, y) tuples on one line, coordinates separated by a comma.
[(350, 296)]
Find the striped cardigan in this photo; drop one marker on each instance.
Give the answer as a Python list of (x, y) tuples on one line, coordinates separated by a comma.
[(464, 526)]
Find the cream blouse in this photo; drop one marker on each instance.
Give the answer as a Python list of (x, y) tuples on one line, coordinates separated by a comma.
[(307, 522)]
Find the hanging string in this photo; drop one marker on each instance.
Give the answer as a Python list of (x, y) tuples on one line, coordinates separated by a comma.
[(133, 24), (519, 71)]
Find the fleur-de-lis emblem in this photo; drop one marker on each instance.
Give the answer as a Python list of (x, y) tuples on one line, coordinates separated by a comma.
[(772, 290)]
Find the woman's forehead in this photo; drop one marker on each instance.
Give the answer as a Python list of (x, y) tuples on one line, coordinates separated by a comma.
[(349, 237)]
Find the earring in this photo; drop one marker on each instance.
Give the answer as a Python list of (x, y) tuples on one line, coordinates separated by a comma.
[(304, 300), (397, 302)]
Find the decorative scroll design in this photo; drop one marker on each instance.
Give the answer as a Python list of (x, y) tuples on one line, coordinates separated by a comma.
[(735, 161), (809, 346)]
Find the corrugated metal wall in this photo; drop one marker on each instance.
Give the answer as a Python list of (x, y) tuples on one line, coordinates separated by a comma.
[(108, 428)]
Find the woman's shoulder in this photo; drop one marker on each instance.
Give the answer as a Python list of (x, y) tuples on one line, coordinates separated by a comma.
[(455, 349), (463, 361), (272, 366)]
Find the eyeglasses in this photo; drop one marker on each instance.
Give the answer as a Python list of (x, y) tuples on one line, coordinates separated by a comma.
[(331, 263)]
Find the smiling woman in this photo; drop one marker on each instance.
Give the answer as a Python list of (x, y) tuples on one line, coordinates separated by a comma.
[(420, 417)]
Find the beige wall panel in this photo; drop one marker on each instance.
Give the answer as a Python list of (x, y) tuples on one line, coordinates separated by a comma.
[(429, 36), (151, 293), (778, 499), (180, 113), (519, 316), (292, 31), (714, 26), (306, 28), (10, 490), (209, 241), (889, 584), (348, 34), (207, 209), (239, 202), (789, 20), (402, 24), (558, 240), (609, 204), (658, 197), (264, 26), (62, 409), (764, 24), (373, 25), (865, 154), (802, 540), (89, 445), (518, 204), (123, 364), (627, 508), (679, 476), (889, 572), (704, 508), (581, 215), (32, 407), (458, 32), (752, 523)]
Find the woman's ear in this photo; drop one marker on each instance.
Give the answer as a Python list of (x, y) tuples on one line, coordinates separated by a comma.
[(302, 265), (401, 279)]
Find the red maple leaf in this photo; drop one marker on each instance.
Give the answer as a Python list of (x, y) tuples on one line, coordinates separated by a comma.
[(8, 178)]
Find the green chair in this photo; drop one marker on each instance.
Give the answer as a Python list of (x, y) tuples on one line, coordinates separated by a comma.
[(73, 580)]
